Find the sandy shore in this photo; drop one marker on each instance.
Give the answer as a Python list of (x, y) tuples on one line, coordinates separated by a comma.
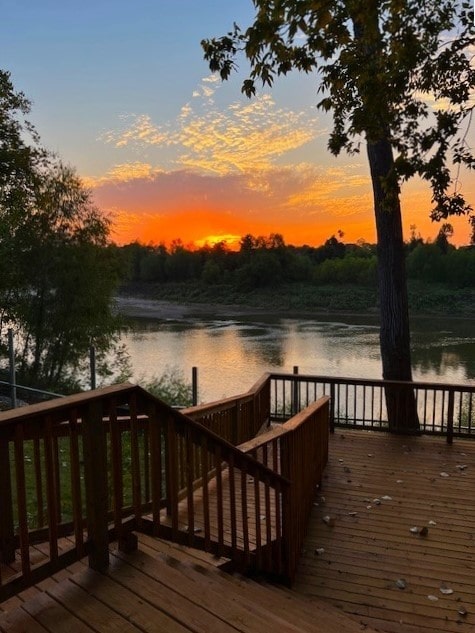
[(167, 310)]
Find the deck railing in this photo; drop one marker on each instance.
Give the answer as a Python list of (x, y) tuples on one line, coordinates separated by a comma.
[(238, 418), (80, 472), (297, 449), (443, 409)]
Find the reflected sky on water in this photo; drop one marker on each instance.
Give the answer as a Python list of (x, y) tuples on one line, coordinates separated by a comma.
[(232, 354)]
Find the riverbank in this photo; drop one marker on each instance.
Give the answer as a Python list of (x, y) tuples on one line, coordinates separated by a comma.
[(189, 301)]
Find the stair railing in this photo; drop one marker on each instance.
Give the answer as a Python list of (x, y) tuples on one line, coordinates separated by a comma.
[(80, 472)]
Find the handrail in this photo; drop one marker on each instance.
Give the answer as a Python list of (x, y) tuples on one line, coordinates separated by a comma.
[(145, 466), (63, 404), (237, 418), (298, 449)]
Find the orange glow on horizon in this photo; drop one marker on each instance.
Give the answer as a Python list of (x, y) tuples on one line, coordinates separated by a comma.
[(231, 241), (200, 228)]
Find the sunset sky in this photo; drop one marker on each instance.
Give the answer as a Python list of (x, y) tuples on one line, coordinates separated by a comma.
[(121, 91)]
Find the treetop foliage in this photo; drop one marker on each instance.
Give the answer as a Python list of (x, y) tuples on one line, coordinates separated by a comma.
[(379, 65), (267, 261)]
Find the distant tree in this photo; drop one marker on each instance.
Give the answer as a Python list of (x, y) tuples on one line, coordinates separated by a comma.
[(442, 240), (181, 264), (415, 238), (378, 62), (333, 247), (247, 243), (275, 240), (58, 273), (264, 269), (472, 225)]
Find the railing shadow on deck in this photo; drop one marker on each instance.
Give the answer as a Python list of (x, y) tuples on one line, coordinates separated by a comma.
[(97, 466)]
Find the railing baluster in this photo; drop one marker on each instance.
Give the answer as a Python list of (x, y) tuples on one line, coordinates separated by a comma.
[(189, 487), (268, 520), (278, 530), (155, 430), (22, 502), (7, 535), (232, 502), (172, 476), (135, 460), (450, 418), (52, 481), (117, 468), (245, 515), (205, 468), (425, 408), (57, 477), (76, 496), (257, 504), (38, 482), (146, 463), (219, 500)]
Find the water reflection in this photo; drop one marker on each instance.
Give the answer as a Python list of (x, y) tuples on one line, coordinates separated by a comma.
[(232, 354)]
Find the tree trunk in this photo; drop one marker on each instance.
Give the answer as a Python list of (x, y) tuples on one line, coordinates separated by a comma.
[(394, 328)]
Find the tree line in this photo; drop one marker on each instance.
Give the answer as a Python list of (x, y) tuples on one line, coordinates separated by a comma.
[(266, 261)]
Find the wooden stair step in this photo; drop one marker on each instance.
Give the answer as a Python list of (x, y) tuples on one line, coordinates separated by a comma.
[(280, 601), (180, 552), (208, 592)]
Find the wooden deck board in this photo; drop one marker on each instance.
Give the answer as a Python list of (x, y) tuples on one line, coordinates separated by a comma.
[(369, 545)]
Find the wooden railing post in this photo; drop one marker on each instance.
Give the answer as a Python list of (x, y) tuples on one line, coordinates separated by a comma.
[(236, 422), (7, 542), (332, 408), (294, 402), (450, 418), (95, 472), (194, 385)]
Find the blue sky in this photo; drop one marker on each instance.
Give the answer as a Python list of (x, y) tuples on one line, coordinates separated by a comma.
[(121, 91)]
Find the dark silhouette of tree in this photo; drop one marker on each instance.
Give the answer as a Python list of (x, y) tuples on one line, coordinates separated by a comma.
[(58, 273), (377, 63), (442, 240)]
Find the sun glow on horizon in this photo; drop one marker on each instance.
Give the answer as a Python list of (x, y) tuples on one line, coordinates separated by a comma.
[(230, 241)]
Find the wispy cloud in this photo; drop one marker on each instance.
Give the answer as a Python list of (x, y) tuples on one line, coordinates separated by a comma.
[(244, 137), (235, 161), (240, 138), (140, 131), (124, 172)]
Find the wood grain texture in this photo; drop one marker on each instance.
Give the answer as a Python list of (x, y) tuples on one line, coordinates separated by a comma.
[(376, 488)]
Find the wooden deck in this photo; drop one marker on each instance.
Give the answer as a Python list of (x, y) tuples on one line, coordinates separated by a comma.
[(361, 569), (376, 488), (163, 588)]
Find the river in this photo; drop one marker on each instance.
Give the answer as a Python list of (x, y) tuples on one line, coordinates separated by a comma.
[(232, 353)]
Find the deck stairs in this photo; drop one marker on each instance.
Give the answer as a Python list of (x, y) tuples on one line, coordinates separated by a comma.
[(170, 588)]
